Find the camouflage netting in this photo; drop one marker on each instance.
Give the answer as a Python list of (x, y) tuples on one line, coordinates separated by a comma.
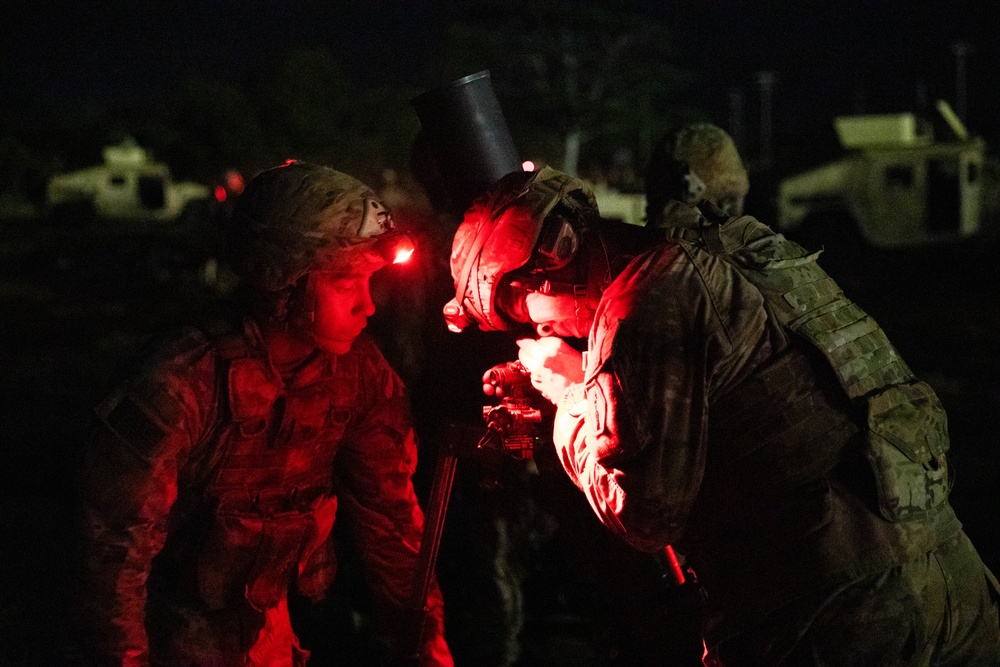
[(299, 218)]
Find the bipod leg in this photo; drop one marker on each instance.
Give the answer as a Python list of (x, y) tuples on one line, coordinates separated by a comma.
[(437, 508)]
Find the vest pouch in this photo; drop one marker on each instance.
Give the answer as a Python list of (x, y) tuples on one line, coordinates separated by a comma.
[(278, 559), (318, 565), (227, 557), (251, 556), (907, 441)]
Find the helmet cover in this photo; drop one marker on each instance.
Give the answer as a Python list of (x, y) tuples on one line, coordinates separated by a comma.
[(707, 151), (713, 157), (498, 235), (299, 218)]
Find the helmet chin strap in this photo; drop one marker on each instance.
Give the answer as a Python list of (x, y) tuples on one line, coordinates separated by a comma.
[(302, 305), (581, 301), (593, 275)]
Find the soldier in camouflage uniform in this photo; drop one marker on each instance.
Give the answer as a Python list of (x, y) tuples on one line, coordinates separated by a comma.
[(734, 403), (217, 468)]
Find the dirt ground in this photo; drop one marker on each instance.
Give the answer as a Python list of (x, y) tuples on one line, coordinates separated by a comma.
[(75, 300)]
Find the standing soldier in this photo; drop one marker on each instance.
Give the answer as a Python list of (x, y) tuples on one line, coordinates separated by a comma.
[(217, 468)]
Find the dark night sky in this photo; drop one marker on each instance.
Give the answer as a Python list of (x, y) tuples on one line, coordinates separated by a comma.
[(830, 56), (850, 55), (108, 49)]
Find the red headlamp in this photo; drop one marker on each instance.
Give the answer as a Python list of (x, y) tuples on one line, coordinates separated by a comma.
[(395, 247)]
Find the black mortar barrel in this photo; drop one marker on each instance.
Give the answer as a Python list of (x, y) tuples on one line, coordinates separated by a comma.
[(468, 137)]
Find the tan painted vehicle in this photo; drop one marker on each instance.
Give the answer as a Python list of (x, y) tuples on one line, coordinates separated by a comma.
[(628, 207), (896, 186), (128, 185)]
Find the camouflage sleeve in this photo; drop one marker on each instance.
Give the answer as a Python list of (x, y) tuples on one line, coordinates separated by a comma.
[(375, 465), (663, 340), (128, 485)]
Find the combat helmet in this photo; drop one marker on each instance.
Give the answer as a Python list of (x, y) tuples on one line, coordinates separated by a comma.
[(526, 222), (300, 218), (695, 162)]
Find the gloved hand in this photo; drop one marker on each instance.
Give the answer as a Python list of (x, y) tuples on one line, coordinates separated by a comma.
[(553, 365)]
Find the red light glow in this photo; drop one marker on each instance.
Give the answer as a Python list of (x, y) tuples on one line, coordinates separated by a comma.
[(528, 165), (234, 181), (675, 567), (220, 194), (402, 256)]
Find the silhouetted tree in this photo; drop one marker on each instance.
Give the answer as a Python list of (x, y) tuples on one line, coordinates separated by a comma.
[(581, 82)]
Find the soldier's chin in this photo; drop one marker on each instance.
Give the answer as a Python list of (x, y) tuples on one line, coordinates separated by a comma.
[(333, 346), (562, 329)]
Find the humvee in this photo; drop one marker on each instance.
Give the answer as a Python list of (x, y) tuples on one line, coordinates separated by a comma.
[(896, 186), (128, 185)]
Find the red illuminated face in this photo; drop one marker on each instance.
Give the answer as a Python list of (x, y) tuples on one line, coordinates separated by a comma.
[(559, 315), (343, 306)]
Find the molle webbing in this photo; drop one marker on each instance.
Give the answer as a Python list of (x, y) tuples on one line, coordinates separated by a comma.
[(906, 426), (803, 298)]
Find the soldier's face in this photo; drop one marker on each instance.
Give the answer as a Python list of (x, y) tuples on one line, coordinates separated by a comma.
[(559, 314), (343, 306)]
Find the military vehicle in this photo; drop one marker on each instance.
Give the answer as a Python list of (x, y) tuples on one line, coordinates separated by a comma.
[(128, 185), (629, 207), (897, 186)]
